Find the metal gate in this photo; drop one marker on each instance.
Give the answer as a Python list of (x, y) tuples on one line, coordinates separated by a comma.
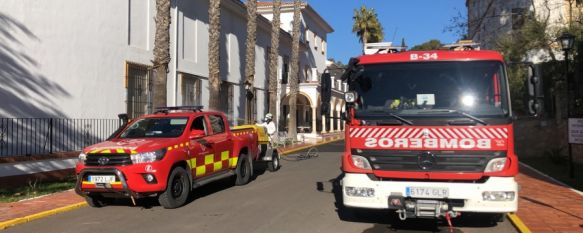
[(139, 90)]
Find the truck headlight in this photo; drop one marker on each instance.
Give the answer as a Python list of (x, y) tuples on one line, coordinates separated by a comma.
[(498, 196), (495, 165), (360, 162), (148, 157), (82, 157), (359, 191)]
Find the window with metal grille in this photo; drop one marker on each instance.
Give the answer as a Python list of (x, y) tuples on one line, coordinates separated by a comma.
[(191, 90), (226, 104), (285, 70), (138, 88)]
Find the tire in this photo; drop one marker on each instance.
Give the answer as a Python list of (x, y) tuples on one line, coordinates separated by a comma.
[(244, 170), (177, 189), (96, 201), (273, 165)]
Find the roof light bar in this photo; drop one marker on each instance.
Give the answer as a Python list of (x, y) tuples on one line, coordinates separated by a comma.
[(382, 48), (195, 108)]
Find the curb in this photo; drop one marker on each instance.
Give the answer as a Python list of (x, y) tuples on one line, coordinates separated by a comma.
[(517, 222), (25, 219), (44, 214), (310, 145)]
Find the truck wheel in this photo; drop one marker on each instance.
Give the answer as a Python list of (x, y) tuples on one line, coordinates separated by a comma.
[(96, 201), (177, 189), (244, 170), (273, 165)]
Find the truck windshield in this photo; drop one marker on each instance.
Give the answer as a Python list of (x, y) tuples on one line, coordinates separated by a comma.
[(433, 88), (155, 128)]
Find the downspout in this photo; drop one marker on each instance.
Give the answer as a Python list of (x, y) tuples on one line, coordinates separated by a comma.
[(175, 48)]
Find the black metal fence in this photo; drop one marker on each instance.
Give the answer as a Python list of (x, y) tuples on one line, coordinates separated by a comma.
[(36, 136)]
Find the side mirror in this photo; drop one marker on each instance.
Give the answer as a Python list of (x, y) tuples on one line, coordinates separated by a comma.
[(326, 93), (534, 89), (196, 134)]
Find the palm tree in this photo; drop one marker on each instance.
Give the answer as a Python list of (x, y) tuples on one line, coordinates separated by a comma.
[(273, 58), (367, 26), (250, 54), (161, 52), (214, 33), (294, 69)]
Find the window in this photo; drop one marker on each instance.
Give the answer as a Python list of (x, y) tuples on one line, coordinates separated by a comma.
[(137, 84), (199, 124), (217, 124), (226, 104), (316, 41), (191, 89), (518, 18), (285, 70), (323, 46)]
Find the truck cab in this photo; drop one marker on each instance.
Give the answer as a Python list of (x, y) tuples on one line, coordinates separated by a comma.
[(166, 155), (429, 134)]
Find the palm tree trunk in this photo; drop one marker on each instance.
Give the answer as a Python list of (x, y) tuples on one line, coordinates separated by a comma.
[(214, 37), (250, 55), (294, 72), (274, 59), (161, 52)]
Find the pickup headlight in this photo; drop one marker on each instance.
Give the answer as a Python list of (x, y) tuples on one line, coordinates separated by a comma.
[(360, 162), (82, 157), (148, 157), (495, 165)]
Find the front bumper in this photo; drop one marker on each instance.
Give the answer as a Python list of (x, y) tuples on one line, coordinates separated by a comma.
[(470, 193), (129, 181)]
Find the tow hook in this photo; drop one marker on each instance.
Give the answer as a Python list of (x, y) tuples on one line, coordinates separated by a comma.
[(402, 214), (448, 215)]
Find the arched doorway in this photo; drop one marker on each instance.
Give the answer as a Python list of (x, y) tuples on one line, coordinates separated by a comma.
[(303, 114)]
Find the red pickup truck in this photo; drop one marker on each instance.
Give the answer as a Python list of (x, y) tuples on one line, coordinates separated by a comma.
[(166, 154)]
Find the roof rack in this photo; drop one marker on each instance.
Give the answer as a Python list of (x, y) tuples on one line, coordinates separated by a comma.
[(382, 48), (463, 45), (194, 108)]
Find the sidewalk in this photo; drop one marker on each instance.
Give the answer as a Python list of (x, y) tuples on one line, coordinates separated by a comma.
[(546, 205), (14, 213)]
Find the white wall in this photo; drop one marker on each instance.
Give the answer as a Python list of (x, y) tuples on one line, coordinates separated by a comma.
[(65, 58)]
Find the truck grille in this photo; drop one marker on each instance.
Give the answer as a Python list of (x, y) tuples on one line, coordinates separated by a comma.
[(108, 160), (451, 161)]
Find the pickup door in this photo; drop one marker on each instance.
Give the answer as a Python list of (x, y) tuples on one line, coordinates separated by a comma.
[(222, 142)]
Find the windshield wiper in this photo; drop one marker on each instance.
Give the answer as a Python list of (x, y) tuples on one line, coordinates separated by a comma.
[(401, 119), (476, 119)]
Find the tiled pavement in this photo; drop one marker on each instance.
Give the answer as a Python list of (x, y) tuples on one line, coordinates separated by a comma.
[(544, 205)]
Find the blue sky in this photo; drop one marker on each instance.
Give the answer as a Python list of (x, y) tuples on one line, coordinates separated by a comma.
[(415, 20)]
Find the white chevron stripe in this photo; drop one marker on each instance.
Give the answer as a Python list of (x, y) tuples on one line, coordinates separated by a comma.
[(505, 130), (474, 134), (359, 132), (465, 132), (458, 133), (353, 132), (366, 133), (504, 135), (480, 132), (451, 133), (445, 135), (394, 132), (436, 133), (419, 134), (485, 131), (380, 132), (400, 133), (495, 133), (407, 132), (371, 133), (389, 130)]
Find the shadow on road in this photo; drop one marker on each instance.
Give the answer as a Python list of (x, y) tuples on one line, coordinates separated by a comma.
[(388, 221)]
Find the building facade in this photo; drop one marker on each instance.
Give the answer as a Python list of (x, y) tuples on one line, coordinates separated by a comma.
[(71, 59), (488, 20)]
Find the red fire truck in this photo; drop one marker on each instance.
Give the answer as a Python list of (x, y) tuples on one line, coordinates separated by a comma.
[(167, 154), (429, 133)]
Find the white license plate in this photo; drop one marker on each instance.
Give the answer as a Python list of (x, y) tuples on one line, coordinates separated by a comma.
[(427, 192), (102, 179)]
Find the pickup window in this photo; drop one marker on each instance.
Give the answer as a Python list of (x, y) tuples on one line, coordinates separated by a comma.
[(217, 124), (199, 124), (155, 128)]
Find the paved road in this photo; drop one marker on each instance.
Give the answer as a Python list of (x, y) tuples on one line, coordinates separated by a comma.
[(300, 197)]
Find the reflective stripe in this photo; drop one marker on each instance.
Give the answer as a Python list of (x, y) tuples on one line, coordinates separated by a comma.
[(218, 165), (224, 155), (209, 159), (201, 170), (106, 151), (233, 162), (120, 151)]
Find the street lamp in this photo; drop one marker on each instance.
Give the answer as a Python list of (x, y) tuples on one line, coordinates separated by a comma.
[(567, 40)]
